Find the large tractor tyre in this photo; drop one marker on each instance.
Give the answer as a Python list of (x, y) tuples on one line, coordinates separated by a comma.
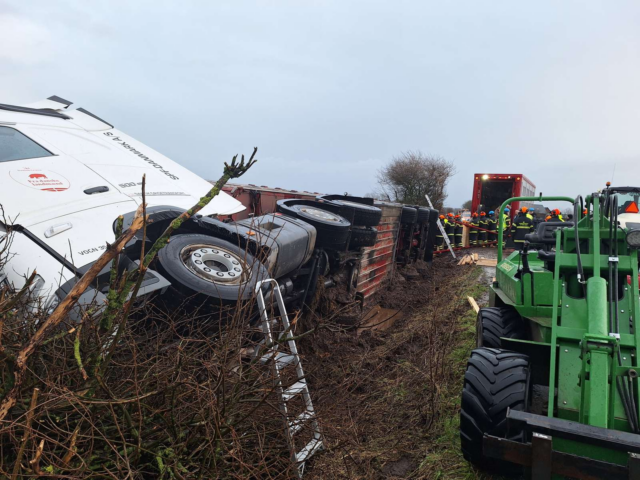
[(495, 381), (208, 269), (423, 214), (365, 215), (362, 237), (408, 215), (332, 230), (493, 323)]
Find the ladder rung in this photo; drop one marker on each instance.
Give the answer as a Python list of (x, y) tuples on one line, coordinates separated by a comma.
[(294, 390), (309, 449), (296, 425), (282, 359)]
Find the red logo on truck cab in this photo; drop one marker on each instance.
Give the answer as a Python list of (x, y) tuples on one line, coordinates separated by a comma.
[(43, 180)]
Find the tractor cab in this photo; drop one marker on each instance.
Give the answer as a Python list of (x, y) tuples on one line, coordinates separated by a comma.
[(627, 201)]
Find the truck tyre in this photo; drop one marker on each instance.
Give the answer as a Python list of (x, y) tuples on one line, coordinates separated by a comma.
[(362, 237), (208, 268), (423, 214), (409, 215), (493, 323), (365, 215), (332, 230), (495, 381)]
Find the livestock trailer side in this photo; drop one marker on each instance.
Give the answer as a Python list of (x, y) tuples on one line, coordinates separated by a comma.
[(377, 263), (261, 200)]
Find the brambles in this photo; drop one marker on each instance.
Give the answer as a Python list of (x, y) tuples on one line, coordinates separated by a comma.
[(134, 391)]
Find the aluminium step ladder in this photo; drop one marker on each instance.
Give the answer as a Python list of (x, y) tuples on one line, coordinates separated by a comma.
[(441, 228), (282, 353)]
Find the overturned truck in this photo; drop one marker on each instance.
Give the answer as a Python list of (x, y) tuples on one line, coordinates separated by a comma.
[(68, 175)]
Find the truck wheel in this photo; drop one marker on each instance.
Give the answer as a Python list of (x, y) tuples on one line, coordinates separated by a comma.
[(493, 323), (365, 215), (409, 215), (362, 237), (495, 381), (209, 268), (423, 214), (332, 230)]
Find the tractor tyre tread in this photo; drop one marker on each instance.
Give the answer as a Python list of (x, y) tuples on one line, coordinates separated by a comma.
[(497, 322), (495, 381)]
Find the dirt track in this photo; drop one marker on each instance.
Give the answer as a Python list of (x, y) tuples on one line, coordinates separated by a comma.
[(388, 400)]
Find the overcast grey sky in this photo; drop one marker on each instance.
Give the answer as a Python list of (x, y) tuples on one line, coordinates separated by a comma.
[(331, 90)]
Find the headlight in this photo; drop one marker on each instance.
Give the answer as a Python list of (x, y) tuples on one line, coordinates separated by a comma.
[(633, 238)]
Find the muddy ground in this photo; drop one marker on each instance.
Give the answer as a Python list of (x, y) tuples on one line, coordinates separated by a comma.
[(388, 400)]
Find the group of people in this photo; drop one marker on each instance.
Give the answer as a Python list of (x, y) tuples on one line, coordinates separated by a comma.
[(484, 227)]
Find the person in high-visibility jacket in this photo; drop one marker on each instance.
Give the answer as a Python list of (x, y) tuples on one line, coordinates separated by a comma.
[(521, 226), (457, 230), (449, 228), (493, 227), (527, 213), (484, 225), (439, 237), (473, 231), (536, 218), (506, 225), (559, 215)]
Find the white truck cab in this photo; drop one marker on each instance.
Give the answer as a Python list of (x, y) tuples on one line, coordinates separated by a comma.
[(66, 175)]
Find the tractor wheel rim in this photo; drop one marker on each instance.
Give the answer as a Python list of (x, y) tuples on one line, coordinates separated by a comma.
[(214, 264)]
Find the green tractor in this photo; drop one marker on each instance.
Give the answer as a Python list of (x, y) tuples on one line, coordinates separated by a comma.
[(552, 388)]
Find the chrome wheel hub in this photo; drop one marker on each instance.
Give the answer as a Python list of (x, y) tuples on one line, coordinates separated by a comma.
[(214, 264)]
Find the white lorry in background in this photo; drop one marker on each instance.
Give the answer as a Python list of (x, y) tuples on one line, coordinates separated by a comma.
[(66, 175)]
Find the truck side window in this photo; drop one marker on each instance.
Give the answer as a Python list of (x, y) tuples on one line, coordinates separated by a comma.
[(16, 146)]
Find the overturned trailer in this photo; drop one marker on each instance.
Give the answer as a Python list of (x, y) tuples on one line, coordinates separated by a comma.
[(403, 234)]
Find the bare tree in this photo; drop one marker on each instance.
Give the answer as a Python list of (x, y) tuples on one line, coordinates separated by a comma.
[(467, 205), (411, 175)]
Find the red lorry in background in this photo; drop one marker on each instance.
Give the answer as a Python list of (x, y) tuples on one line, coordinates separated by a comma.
[(490, 190)]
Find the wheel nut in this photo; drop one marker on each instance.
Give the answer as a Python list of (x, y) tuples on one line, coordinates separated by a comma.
[(207, 269), (197, 255), (231, 274), (236, 269), (220, 274), (227, 255), (235, 262), (203, 250), (199, 262)]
